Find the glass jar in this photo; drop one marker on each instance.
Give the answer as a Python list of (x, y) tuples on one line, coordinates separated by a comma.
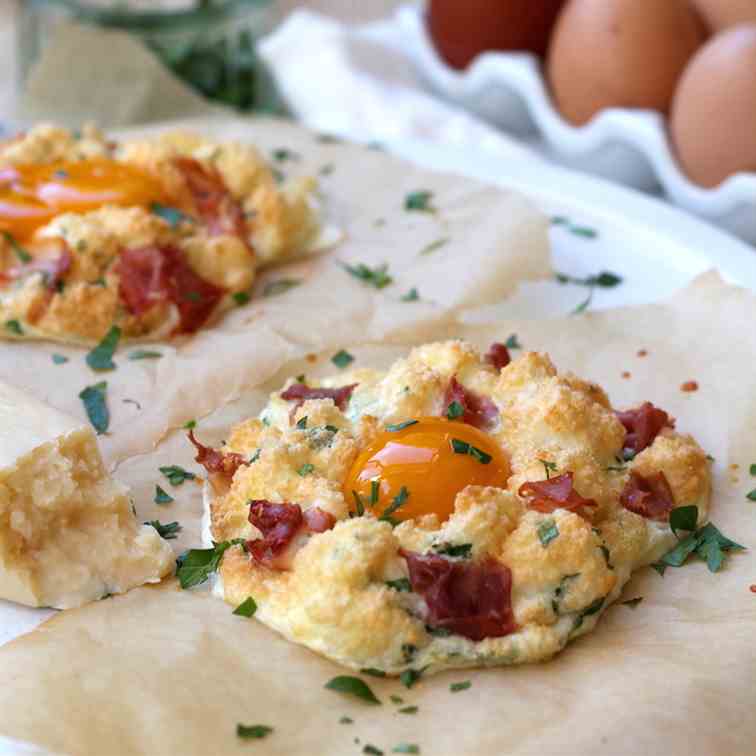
[(210, 44)]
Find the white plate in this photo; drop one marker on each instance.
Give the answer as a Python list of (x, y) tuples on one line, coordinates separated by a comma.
[(628, 146), (655, 248)]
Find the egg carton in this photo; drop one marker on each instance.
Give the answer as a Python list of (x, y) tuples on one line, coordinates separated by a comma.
[(630, 147)]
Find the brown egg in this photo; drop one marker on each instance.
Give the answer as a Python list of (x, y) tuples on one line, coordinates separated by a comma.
[(620, 54), (713, 121), (722, 14), (462, 29)]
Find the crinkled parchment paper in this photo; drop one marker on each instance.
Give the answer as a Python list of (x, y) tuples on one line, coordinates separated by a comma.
[(161, 671), (492, 240)]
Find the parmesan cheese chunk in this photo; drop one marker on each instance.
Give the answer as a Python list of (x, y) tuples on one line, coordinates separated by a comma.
[(68, 534)]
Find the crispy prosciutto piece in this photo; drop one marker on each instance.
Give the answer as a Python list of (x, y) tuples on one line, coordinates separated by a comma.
[(155, 274), (479, 411), (213, 201), (301, 392), (53, 269), (280, 524), (216, 462), (643, 425), (649, 497), (555, 493), (472, 599), (498, 355)]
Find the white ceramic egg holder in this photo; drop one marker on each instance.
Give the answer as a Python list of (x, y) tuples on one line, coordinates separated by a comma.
[(627, 146)]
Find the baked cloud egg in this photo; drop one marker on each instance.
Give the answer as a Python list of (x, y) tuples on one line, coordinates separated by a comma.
[(155, 236), (456, 510)]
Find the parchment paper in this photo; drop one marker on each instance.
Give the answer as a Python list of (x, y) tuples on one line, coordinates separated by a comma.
[(161, 671), (495, 240)]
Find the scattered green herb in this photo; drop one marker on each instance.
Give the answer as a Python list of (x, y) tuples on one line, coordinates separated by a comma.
[(171, 215), (250, 732), (549, 467), (176, 475), (377, 277), (462, 447), (433, 246), (282, 154), (406, 748), (274, 288), (398, 501), (411, 296), (22, 255), (584, 231), (458, 686), (419, 201), (352, 686), (462, 550), (373, 672), (190, 425), (305, 470), (359, 505), (342, 358), (14, 327), (196, 565), (396, 699), (512, 342), (169, 531), (145, 354), (375, 489), (633, 602), (302, 423), (161, 497), (408, 710), (751, 495), (247, 608), (95, 404), (401, 585), (59, 359), (410, 676), (346, 720), (683, 518), (547, 532), (255, 456), (592, 608), (241, 298), (400, 426), (604, 279), (101, 357), (455, 410), (327, 169), (372, 750)]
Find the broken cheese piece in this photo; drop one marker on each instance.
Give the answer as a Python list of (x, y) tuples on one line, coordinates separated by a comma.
[(68, 534)]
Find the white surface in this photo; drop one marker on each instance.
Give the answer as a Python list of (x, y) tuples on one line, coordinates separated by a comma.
[(628, 146), (656, 248)]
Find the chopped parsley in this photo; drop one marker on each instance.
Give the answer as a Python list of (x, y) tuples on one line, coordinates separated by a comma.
[(549, 467), (547, 531), (410, 676), (282, 154), (433, 246), (169, 531), (101, 357), (359, 505), (171, 215), (707, 543), (196, 565), (161, 497), (352, 686), (59, 359), (593, 608), (461, 550), (377, 277), (255, 456), (408, 710), (14, 327), (396, 699), (144, 354), (512, 342), (176, 475), (633, 602), (372, 750), (253, 732), (583, 231), (247, 608), (462, 447), (455, 410), (22, 255), (373, 672), (190, 425), (406, 748), (400, 426), (274, 288), (751, 469), (302, 423), (604, 280), (458, 686), (305, 469), (94, 400), (346, 720), (401, 585), (751, 495), (241, 297), (419, 201), (375, 489), (398, 501), (342, 358), (411, 296)]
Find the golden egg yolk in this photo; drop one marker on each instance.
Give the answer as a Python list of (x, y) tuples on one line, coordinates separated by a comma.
[(433, 460), (32, 195)]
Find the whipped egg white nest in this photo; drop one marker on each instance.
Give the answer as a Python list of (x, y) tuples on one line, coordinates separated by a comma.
[(456, 510)]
